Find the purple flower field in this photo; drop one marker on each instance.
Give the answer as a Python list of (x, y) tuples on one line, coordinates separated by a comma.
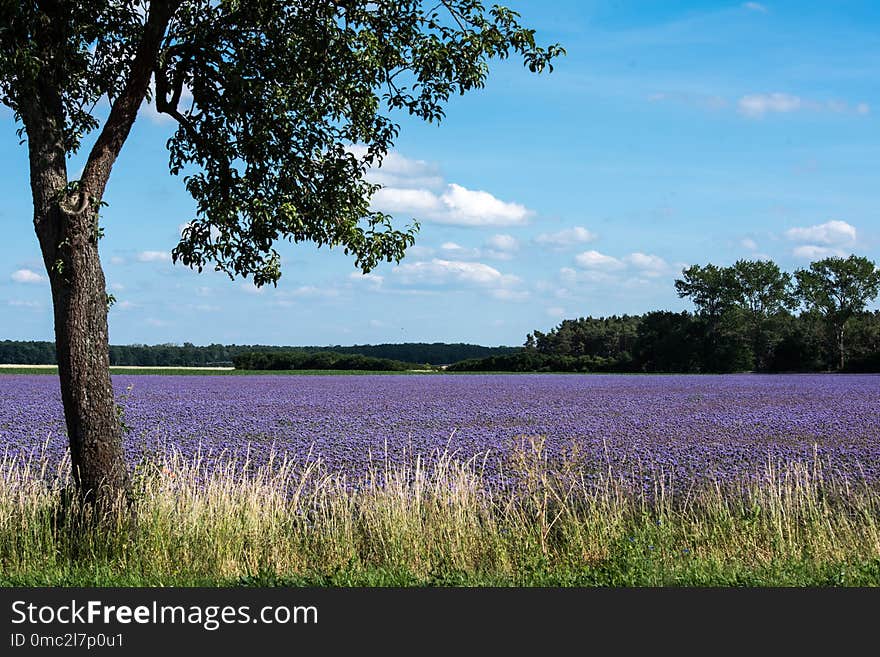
[(688, 427)]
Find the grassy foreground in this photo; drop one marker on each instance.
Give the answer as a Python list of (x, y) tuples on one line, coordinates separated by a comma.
[(292, 524)]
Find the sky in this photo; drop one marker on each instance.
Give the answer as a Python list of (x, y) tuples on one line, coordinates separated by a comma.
[(672, 133)]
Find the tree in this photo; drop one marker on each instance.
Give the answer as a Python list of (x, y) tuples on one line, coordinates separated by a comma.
[(710, 288), (836, 289), (666, 342), (763, 291), (281, 107)]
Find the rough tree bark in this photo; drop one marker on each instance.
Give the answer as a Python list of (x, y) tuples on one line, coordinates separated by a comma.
[(81, 337), (69, 244)]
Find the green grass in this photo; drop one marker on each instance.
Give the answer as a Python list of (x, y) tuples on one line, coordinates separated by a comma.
[(293, 524)]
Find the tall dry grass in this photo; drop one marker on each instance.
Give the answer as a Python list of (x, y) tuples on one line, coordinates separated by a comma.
[(218, 520)]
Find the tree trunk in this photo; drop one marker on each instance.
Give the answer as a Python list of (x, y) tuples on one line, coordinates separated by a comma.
[(81, 341), (840, 347), (69, 243), (81, 337)]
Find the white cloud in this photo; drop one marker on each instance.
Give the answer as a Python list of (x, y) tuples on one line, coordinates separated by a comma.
[(506, 243), (478, 208), (154, 256), (567, 237), (117, 260), (749, 243), (501, 247), (755, 6), (158, 323), (831, 232), (117, 287), (125, 305), (415, 187), (439, 272), (17, 303), (813, 252), (648, 264), (497, 247), (596, 260), (757, 105), (27, 276), (457, 205), (459, 252), (822, 240), (412, 201), (596, 267), (555, 312)]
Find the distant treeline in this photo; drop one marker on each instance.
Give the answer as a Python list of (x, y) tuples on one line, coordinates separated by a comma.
[(663, 341), (745, 320), (319, 360), (189, 355), (750, 316)]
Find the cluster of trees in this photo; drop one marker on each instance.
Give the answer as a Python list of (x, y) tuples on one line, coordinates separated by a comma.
[(13, 352), (436, 353), (746, 319), (321, 360), (190, 355), (528, 360), (745, 307)]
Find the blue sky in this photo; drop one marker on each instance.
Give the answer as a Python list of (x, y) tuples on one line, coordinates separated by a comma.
[(672, 133)]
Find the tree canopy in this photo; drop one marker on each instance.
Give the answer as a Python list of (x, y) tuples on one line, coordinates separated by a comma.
[(838, 288), (710, 288), (281, 107)]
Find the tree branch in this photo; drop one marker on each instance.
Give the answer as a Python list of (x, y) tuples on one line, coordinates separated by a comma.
[(125, 108), (164, 106)]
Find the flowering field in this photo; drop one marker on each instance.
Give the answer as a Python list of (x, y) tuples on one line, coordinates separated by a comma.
[(686, 428), (551, 480)]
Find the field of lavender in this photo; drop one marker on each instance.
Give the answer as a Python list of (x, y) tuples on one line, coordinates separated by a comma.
[(690, 428), (686, 479)]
